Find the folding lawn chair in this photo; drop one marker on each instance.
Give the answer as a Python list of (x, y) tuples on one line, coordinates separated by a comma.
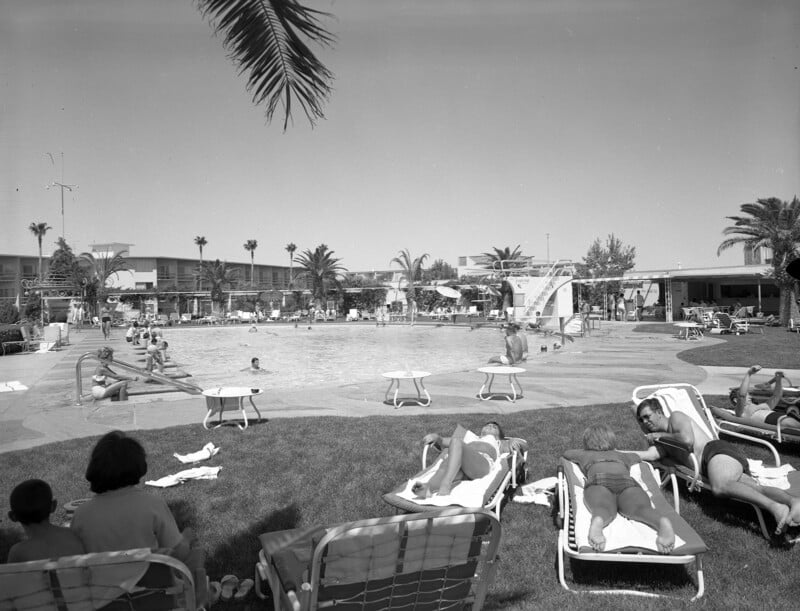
[(487, 492), (434, 560), (115, 581), (626, 540), (688, 400)]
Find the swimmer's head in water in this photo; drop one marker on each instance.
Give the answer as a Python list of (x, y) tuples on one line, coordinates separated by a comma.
[(254, 363)]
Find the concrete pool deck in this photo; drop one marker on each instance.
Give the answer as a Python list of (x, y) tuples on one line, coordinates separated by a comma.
[(602, 368)]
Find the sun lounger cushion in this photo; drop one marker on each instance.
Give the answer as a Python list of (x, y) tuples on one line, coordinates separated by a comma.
[(624, 535)]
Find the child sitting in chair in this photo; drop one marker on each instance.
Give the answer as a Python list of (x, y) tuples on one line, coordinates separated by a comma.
[(610, 489), (474, 459), (31, 504)]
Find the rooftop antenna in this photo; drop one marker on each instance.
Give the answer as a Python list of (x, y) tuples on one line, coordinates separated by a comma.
[(61, 185)]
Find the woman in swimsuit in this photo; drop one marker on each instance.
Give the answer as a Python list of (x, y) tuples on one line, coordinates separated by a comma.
[(474, 459), (106, 382), (765, 412), (610, 489)]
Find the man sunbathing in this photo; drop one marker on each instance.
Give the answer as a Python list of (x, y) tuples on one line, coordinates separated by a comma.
[(721, 462), (610, 489), (474, 459), (765, 412)]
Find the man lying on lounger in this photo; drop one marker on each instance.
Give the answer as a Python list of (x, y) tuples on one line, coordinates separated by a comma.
[(765, 412), (721, 462)]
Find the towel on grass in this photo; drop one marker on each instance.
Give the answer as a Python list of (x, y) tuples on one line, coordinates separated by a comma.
[(207, 452), (621, 532), (182, 476), (538, 492), (770, 476), (466, 493), (12, 386)]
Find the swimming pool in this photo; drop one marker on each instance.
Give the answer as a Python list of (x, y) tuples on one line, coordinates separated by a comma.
[(326, 354)]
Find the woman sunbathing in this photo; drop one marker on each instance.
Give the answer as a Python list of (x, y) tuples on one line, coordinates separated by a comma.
[(610, 489), (765, 412), (473, 459)]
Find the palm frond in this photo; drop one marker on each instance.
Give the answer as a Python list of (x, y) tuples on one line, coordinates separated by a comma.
[(265, 39)]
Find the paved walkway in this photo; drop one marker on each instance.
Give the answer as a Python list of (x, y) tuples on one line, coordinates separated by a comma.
[(603, 368)]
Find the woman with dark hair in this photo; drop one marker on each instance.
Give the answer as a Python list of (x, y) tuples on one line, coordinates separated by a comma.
[(106, 382), (610, 489), (122, 516), (474, 459)]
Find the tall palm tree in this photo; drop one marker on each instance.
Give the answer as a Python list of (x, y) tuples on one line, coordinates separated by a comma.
[(219, 277), (503, 254), (412, 270), (504, 259), (774, 224), (201, 241), (265, 39), (290, 248), (39, 229), (321, 272), (251, 246)]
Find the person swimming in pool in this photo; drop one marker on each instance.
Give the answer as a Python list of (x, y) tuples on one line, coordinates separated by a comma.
[(255, 366), (474, 459)]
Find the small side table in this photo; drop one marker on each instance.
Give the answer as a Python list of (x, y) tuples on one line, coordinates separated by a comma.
[(492, 371), (689, 330), (394, 379), (224, 398)]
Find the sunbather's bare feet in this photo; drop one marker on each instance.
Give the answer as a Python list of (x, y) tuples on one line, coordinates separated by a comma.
[(665, 541), (781, 514), (754, 369), (596, 538), (794, 513)]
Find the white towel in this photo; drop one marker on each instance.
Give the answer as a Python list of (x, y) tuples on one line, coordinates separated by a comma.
[(775, 477), (538, 492), (182, 476), (207, 452), (12, 386)]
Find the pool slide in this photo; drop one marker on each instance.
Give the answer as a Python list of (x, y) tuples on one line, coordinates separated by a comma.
[(187, 387)]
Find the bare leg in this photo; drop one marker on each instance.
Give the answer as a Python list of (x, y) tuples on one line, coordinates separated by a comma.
[(460, 457), (726, 477), (635, 504), (602, 503)]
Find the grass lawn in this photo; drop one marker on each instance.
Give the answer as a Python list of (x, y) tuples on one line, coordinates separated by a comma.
[(295, 472)]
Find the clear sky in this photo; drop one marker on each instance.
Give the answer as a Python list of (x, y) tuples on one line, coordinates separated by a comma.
[(453, 127)]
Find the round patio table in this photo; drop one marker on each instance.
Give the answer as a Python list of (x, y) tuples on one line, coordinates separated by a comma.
[(394, 379), (689, 330), (492, 371), (228, 398)]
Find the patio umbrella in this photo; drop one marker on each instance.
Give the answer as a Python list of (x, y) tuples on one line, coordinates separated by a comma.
[(446, 291)]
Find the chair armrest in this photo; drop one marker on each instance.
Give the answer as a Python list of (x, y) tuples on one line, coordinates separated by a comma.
[(683, 453)]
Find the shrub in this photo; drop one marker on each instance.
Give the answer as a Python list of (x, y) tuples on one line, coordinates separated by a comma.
[(8, 312), (10, 333)]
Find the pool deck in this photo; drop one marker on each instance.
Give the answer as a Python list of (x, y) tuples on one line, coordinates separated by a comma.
[(602, 368)]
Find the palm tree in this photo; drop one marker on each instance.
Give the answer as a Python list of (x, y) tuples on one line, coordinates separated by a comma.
[(321, 271), (219, 277), (774, 224), (503, 254), (251, 246), (97, 268), (201, 241), (264, 39), (412, 270), (290, 248), (499, 260), (39, 229)]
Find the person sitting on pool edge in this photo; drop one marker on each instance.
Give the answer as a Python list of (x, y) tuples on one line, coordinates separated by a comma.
[(474, 459), (101, 387), (765, 412), (514, 348), (610, 489)]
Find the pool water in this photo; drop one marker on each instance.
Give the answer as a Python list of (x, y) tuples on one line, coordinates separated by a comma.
[(326, 354)]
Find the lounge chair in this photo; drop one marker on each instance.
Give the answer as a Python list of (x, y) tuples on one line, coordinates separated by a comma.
[(275, 315), (435, 560), (186, 318), (488, 492), (727, 420), (111, 580), (626, 540), (352, 315), (723, 323), (493, 315), (687, 399)]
